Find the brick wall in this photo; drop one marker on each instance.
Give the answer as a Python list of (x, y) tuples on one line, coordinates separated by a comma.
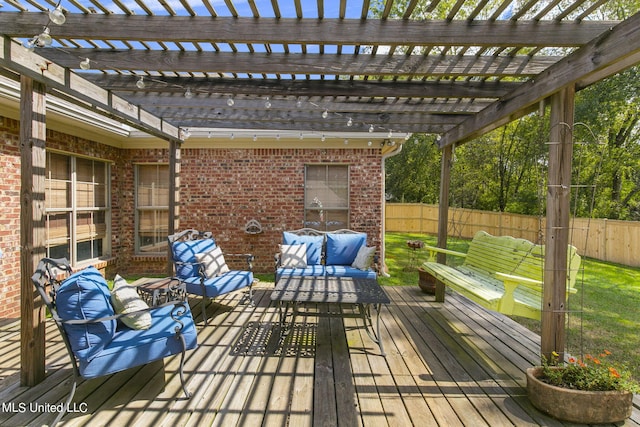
[(222, 189), (10, 200), (9, 218)]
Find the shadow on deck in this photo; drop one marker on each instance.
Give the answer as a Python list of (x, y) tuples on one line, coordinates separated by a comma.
[(451, 364)]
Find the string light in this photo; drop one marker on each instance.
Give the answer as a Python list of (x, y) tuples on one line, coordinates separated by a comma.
[(44, 39), (57, 15)]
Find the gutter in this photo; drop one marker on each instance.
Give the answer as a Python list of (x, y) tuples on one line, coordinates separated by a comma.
[(394, 152)]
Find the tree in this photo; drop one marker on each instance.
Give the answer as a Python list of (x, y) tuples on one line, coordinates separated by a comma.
[(413, 176)]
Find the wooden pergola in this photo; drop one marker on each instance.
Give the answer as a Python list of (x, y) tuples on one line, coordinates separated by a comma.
[(457, 70)]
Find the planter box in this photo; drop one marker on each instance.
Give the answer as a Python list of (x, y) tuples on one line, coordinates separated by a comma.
[(584, 407)]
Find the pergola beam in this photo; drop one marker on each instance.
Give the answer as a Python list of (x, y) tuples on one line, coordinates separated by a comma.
[(310, 31), (327, 88), (613, 47), (312, 64), (72, 87)]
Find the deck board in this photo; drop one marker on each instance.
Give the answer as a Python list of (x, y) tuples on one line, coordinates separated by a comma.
[(452, 363)]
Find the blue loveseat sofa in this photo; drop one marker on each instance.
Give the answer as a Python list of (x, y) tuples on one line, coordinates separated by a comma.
[(310, 252)]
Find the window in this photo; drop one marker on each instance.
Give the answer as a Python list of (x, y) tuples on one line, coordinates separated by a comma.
[(326, 197), (152, 208), (77, 214)]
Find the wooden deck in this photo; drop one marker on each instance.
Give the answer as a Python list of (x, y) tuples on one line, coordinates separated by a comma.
[(451, 364)]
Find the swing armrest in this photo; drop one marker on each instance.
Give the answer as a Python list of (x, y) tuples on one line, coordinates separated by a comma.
[(433, 250)]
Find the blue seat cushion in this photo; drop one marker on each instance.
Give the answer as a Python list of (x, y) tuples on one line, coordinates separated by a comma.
[(348, 271), (343, 248), (219, 285), (82, 296), (135, 347), (184, 252), (310, 270), (314, 245)]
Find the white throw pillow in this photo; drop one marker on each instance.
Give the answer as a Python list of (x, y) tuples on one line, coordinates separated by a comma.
[(213, 262), (125, 299), (293, 256), (364, 258)]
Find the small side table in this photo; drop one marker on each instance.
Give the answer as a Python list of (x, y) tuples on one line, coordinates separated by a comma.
[(155, 291)]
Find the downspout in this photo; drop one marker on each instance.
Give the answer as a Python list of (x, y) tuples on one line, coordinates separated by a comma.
[(383, 265)]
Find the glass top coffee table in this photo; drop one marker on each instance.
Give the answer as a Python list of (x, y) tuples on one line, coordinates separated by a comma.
[(365, 294)]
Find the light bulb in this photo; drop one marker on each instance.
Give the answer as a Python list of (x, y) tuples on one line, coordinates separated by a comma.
[(29, 45), (325, 114), (140, 84), (350, 122), (230, 102), (267, 103), (188, 94), (44, 39), (370, 128), (86, 64), (369, 143), (390, 134), (255, 138), (324, 138), (57, 16)]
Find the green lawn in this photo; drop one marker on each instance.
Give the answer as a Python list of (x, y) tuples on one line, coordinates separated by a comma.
[(607, 305)]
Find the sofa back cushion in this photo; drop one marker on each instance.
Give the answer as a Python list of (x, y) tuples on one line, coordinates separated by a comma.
[(343, 248), (185, 252), (85, 295), (314, 245)]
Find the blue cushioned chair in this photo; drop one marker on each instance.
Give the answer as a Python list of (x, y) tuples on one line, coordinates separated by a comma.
[(197, 276), (97, 342)]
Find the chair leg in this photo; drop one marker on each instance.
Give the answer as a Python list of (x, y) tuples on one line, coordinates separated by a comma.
[(67, 403), (204, 309), (182, 381)]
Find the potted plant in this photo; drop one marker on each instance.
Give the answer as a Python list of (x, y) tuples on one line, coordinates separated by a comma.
[(587, 391)]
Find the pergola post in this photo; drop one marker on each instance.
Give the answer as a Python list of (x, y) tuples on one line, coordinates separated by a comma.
[(557, 229), (174, 195), (443, 212), (32, 232)]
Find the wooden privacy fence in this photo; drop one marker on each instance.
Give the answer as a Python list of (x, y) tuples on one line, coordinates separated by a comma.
[(603, 239)]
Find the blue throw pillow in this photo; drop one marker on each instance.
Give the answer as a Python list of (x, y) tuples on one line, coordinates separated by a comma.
[(314, 245), (343, 248), (85, 295), (186, 252)]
